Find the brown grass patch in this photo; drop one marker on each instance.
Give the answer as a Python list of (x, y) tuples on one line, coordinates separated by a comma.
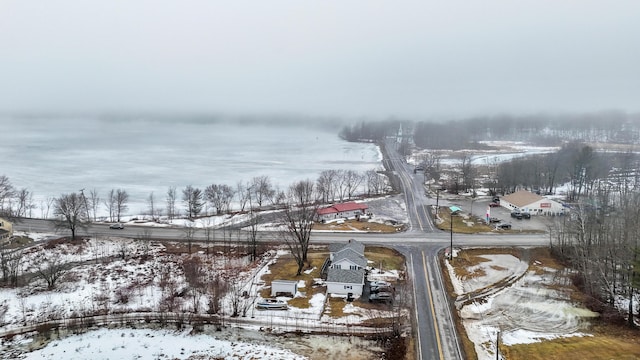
[(385, 258), (336, 307), (351, 225), (542, 258), (460, 223), (585, 348), (285, 268)]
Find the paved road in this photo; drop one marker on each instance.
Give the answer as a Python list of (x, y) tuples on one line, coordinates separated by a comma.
[(421, 244)]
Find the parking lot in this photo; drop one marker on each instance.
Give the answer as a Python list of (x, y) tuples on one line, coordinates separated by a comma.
[(479, 208)]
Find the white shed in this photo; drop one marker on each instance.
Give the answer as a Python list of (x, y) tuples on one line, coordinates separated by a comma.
[(284, 287)]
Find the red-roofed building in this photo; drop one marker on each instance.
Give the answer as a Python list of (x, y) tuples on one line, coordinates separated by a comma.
[(342, 211)]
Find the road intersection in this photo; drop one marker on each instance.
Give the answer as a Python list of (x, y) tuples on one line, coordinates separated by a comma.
[(422, 245)]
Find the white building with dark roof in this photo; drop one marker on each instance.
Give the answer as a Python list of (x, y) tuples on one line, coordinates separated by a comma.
[(346, 270), (534, 204)]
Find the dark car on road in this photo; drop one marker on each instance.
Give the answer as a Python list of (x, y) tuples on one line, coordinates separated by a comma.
[(118, 226), (504, 226), (526, 215)]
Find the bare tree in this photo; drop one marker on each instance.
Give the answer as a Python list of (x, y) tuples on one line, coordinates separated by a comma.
[(219, 196), (353, 181), (71, 212), (6, 193), (468, 173), (122, 198), (151, 201), (326, 184), (189, 232), (171, 202), (24, 202), (10, 261), (94, 202), (262, 189), (243, 194), (252, 237), (144, 238), (192, 198), (110, 203), (376, 182), (51, 268), (300, 215)]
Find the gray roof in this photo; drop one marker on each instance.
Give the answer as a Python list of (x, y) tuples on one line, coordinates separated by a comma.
[(351, 244), (346, 276), (350, 255)]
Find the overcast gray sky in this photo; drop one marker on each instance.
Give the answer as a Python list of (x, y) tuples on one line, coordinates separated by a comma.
[(346, 58)]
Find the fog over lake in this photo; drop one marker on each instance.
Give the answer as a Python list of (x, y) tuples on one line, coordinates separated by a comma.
[(51, 155)]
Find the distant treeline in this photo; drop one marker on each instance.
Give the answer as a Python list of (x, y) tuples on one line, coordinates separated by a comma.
[(548, 130)]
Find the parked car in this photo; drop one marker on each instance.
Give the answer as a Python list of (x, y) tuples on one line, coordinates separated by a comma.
[(494, 220), (505, 226), (118, 226), (526, 215), (516, 214), (379, 283), (496, 199), (381, 297), (494, 204), (379, 289)]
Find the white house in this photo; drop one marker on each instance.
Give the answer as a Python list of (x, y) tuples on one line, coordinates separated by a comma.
[(346, 269), (534, 204), (349, 283), (284, 287), (347, 210)]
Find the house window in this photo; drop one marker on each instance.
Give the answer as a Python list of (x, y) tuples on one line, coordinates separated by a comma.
[(337, 266), (353, 267), (348, 287)]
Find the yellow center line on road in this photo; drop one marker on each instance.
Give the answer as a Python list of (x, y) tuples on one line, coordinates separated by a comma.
[(413, 275), (433, 311)]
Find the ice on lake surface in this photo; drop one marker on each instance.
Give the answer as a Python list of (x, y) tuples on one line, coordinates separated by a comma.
[(54, 155)]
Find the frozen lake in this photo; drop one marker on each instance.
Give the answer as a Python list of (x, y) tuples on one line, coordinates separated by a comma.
[(51, 156)]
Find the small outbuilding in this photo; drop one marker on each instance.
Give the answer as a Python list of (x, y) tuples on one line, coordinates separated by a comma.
[(284, 287)]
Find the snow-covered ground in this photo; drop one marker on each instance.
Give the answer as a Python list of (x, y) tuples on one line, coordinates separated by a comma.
[(502, 295), (125, 276), (155, 344)]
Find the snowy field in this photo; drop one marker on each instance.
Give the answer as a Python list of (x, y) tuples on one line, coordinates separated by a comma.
[(502, 294), (154, 344), (111, 276)]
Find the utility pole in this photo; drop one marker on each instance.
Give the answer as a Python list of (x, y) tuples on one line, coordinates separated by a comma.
[(451, 233)]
